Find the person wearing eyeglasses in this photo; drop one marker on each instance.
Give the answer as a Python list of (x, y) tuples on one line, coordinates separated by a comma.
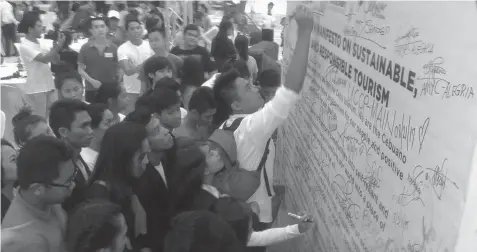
[(46, 174)]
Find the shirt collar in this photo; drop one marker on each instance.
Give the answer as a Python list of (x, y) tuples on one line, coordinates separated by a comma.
[(91, 43), (38, 213), (212, 190)]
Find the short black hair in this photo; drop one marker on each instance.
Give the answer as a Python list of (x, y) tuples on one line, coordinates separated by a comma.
[(39, 160), (96, 112), (28, 21), (96, 18), (22, 123), (191, 27), (130, 20), (61, 77), (157, 29), (225, 94), (238, 64), (202, 99), (151, 22), (93, 225), (162, 98), (155, 63), (63, 113), (269, 78), (108, 90), (198, 231)]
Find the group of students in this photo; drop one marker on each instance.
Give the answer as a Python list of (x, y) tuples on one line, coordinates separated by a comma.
[(158, 179)]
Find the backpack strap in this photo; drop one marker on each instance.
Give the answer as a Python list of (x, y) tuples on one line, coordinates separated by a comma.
[(261, 165), (234, 125)]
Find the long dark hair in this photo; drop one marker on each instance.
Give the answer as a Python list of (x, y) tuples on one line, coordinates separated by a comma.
[(241, 45), (189, 166), (113, 165), (224, 26)]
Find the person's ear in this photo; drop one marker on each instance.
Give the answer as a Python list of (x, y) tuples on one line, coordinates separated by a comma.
[(38, 189), (151, 75), (236, 106), (63, 132)]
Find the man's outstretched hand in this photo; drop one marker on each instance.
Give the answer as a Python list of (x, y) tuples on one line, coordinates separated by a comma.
[(304, 18)]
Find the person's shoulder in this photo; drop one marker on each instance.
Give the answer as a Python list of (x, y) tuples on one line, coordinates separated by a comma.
[(126, 44)]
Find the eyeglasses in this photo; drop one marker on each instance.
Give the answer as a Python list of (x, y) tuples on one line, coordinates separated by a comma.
[(68, 183)]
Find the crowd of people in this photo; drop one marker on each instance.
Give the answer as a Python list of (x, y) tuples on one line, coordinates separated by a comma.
[(162, 149)]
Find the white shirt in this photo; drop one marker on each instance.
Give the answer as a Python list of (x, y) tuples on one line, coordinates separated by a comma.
[(6, 13), (2, 123), (89, 156), (39, 76), (136, 55), (210, 82), (268, 22), (160, 169), (251, 137), (266, 237)]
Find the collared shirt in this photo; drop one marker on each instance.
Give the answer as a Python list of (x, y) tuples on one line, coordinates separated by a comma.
[(266, 237), (101, 66), (43, 230), (159, 168), (251, 137), (89, 156)]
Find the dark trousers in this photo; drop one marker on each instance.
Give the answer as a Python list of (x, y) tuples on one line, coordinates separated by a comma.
[(8, 32), (89, 95)]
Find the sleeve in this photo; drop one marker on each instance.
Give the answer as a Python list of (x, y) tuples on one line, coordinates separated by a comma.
[(174, 51), (122, 53), (209, 66), (261, 124), (81, 56), (273, 236), (254, 69), (14, 240), (28, 52)]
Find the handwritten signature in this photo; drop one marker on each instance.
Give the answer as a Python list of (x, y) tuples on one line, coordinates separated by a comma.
[(376, 8), (409, 44), (367, 28), (332, 76), (344, 189), (436, 177)]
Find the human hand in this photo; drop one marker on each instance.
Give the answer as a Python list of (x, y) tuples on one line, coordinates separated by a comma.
[(306, 222), (304, 18), (96, 84)]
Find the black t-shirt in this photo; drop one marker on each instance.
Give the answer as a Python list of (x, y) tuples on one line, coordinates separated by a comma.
[(199, 52)]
